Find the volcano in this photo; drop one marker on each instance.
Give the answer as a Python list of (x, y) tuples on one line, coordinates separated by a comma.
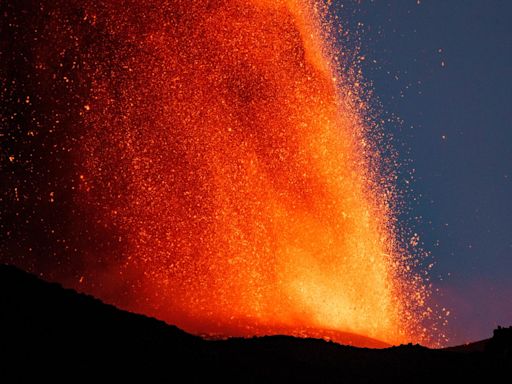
[(212, 164)]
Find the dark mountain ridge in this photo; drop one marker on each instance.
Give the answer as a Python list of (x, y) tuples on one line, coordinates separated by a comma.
[(48, 332)]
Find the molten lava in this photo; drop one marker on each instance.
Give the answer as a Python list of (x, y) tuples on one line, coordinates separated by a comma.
[(226, 164)]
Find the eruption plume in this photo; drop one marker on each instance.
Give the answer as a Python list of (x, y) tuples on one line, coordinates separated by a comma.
[(220, 165)]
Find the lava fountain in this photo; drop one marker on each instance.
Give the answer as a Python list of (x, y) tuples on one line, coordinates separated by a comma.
[(225, 161)]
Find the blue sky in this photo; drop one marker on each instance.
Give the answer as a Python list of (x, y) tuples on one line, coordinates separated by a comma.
[(444, 68)]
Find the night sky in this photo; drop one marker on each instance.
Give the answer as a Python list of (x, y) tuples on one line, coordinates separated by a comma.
[(443, 73)]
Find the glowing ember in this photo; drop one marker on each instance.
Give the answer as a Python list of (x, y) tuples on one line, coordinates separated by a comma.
[(226, 166)]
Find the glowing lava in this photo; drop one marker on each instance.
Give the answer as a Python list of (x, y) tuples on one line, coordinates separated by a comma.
[(227, 166)]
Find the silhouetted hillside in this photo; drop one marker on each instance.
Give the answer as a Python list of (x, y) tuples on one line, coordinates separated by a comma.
[(47, 332)]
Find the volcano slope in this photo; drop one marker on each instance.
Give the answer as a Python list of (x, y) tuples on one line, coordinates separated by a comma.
[(48, 332)]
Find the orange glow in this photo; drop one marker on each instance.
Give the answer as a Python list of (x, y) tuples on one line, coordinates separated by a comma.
[(231, 159)]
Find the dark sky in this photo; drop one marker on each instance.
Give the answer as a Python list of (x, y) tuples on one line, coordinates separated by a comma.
[(444, 68)]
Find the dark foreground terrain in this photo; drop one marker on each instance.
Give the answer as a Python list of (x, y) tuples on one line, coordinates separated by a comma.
[(56, 334)]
